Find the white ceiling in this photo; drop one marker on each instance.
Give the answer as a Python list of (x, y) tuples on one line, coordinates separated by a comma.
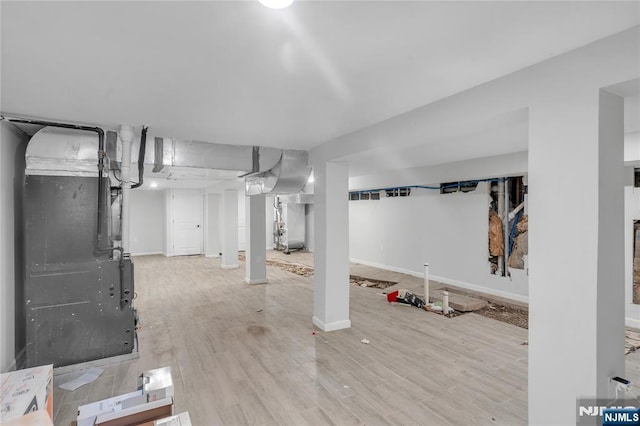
[(236, 72)]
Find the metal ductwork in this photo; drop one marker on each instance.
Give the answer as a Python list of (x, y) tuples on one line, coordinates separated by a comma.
[(67, 152), (288, 176)]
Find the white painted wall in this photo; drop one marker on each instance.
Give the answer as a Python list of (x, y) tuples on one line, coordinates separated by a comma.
[(12, 144), (309, 228), (632, 146), (147, 222), (168, 227), (242, 224), (213, 244), (448, 231), (229, 232), (269, 218)]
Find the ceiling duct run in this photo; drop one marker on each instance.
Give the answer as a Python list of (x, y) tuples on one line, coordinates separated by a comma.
[(288, 176), (67, 152)]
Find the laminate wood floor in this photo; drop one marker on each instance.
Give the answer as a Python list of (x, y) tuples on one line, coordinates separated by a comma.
[(249, 354)]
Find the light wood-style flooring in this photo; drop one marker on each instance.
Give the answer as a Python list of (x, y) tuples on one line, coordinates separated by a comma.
[(247, 354)]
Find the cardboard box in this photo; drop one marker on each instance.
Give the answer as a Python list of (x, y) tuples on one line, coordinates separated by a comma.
[(152, 401), (181, 419), (87, 414), (156, 384), (138, 414), (26, 391)]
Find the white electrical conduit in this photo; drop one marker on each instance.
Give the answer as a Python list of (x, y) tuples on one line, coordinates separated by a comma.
[(126, 137)]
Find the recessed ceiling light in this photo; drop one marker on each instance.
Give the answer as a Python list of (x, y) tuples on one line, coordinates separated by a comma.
[(153, 184), (276, 4)]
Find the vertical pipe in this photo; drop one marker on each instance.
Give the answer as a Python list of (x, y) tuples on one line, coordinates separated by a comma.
[(507, 231), (426, 283), (126, 136), (445, 302), (501, 216)]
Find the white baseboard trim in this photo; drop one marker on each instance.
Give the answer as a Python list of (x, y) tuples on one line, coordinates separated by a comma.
[(258, 281), (236, 266), (212, 256), (147, 253), (388, 268), (482, 289), (632, 322), (444, 280), (333, 326)]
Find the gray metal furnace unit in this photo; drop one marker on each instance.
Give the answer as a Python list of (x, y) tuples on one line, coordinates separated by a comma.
[(78, 290)]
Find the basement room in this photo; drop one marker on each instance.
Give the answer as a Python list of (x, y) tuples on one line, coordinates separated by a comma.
[(290, 212)]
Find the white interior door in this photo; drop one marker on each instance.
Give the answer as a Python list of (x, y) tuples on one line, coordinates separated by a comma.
[(212, 226), (187, 222)]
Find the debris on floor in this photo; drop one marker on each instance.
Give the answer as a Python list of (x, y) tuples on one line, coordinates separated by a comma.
[(405, 297), (511, 315), (438, 308), (295, 268), (307, 271), (370, 282), (365, 341), (460, 301), (89, 376), (631, 341)]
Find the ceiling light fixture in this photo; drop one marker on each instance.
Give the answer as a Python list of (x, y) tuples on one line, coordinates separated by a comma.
[(154, 184), (276, 4)]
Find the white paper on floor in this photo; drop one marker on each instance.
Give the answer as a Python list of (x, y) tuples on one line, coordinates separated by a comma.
[(89, 376)]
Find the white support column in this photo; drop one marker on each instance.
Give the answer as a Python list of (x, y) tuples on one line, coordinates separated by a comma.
[(256, 264), (331, 254), (576, 251), (230, 229)]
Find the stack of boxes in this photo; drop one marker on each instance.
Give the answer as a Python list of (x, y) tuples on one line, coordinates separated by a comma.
[(26, 399), (26, 396), (152, 401)]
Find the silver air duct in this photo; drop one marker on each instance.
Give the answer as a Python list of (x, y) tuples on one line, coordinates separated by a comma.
[(67, 152), (288, 176)]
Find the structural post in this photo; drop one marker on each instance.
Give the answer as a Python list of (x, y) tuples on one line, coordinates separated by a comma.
[(576, 276), (256, 264), (230, 229), (331, 254)]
